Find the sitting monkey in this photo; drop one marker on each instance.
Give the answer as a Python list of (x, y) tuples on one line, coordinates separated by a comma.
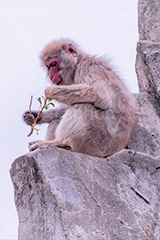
[(99, 111)]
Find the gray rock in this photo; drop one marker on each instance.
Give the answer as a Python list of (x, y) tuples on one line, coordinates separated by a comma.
[(62, 195), (146, 132), (148, 67), (148, 47), (149, 20)]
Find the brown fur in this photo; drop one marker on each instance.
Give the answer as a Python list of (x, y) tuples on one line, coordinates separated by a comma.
[(100, 111)]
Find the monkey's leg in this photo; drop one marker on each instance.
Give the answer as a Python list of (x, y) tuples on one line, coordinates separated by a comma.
[(37, 144), (52, 114)]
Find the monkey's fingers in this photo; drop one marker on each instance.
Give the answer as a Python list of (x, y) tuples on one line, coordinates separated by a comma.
[(48, 93), (34, 145), (29, 117)]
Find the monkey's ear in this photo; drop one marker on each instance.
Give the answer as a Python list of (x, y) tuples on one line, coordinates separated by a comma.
[(71, 49)]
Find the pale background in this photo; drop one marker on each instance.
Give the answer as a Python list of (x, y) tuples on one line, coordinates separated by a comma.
[(102, 27)]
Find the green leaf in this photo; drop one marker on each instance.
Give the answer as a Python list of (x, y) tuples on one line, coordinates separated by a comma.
[(51, 103), (49, 99), (46, 106), (39, 100)]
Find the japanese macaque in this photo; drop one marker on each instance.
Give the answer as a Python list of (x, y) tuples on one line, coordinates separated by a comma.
[(98, 115)]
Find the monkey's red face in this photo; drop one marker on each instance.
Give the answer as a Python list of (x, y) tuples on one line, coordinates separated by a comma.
[(53, 70), (61, 61)]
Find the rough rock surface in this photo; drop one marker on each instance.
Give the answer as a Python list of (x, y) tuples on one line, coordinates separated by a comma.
[(149, 20), (148, 67), (62, 195), (146, 133)]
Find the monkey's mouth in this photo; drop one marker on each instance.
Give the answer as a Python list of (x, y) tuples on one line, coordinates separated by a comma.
[(60, 81), (57, 80)]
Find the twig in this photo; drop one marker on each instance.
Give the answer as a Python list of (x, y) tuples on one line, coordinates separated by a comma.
[(38, 115), (30, 104)]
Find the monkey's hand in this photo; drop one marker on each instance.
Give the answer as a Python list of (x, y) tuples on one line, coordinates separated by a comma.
[(49, 92), (30, 117)]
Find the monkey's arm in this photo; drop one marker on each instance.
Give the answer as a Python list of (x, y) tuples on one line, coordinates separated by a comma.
[(45, 117), (71, 94), (52, 114)]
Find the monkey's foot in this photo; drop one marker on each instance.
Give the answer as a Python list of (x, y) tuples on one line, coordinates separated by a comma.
[(32, 145), (36, 144), (33, 142)]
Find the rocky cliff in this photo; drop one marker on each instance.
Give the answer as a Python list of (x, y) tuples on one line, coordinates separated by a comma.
[(62, 195), (69, 196)]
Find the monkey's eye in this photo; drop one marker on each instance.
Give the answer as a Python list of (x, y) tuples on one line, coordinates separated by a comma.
[(52, 64), (71, 50)]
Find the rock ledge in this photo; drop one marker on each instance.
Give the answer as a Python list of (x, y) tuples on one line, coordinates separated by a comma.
[(62, 195)]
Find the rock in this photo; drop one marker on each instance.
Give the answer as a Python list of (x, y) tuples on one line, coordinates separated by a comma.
[(149, 20), (148, 47), (62, 195), (148, 67), (146, 133)]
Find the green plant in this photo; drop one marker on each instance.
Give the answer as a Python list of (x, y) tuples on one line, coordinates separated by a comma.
[(45, 103)]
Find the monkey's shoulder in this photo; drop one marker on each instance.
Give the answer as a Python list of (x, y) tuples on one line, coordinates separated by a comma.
[(94, 66)]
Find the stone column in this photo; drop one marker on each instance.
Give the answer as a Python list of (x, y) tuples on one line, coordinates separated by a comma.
[(146, 133), (148, 47)]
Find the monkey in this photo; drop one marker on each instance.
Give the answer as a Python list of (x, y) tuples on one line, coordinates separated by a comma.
[(98, 112)]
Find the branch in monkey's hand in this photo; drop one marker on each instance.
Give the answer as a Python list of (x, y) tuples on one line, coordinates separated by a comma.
[(45, 103)]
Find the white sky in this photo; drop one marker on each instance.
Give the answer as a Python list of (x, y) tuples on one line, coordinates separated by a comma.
[(102, 27)]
